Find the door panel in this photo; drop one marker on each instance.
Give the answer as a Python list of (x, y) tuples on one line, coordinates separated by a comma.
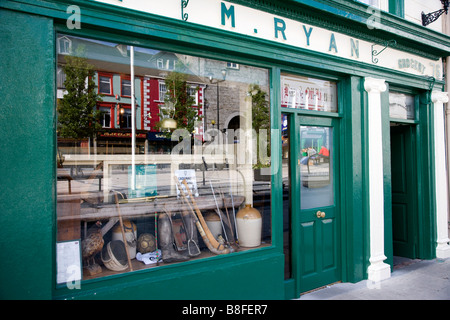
[(319, 243)]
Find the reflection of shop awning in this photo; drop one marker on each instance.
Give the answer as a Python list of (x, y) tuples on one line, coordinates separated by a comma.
[(156, 136)]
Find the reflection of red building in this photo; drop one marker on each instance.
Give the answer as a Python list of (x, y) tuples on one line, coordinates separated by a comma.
[(154, 90)]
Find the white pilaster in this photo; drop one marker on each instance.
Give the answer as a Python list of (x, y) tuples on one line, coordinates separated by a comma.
[(443, 247), (378, 270)]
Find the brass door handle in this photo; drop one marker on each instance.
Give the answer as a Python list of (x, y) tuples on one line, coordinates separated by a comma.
[(320, 214)]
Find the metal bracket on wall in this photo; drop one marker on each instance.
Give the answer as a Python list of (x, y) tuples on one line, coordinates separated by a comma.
[(386, 44), (184, 4), (433, 16), (432, 81)]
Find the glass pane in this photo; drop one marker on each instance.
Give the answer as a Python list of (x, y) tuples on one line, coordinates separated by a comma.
[(195, 121), (104, 85), (401, 106), (126, 87), (308, 93), (316, 167)]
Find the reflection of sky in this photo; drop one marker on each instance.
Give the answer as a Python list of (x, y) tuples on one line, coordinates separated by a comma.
[(112, 45)]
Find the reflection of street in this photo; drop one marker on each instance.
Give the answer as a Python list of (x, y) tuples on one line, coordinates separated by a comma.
[(316, 186), (118, 180)]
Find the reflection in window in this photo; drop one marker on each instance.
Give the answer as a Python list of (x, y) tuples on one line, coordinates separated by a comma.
[(136, 208), (401, 106), (316, 168), (308, 93)]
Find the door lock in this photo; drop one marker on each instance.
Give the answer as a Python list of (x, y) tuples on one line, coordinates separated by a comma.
[(320, 214)]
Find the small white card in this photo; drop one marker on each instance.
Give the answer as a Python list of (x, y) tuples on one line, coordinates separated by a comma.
[(68, 261)]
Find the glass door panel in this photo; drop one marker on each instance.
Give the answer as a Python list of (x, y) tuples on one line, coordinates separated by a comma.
[(316, 167)]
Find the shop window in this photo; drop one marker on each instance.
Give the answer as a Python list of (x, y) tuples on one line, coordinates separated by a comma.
[(121, 209), (308, 93), (401, 106), (105, 84)]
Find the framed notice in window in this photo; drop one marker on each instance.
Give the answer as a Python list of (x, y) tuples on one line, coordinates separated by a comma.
[(68, 261)]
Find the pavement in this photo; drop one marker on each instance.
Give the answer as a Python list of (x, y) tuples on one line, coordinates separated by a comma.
[(410, 280)]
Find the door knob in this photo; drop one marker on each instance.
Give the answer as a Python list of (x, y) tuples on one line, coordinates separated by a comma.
[(320, 214)]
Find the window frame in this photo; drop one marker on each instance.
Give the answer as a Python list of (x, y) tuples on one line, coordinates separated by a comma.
[(111, 82), (111, 114), (122, 78)]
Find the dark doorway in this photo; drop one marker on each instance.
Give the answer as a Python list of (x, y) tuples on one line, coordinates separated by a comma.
[(404, 190)]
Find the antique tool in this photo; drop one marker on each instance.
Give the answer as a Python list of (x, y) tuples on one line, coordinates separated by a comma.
[(219, 212), (202, 227), (167, 239), (226, 210), (123, 232), (192, 239), (234, 215)]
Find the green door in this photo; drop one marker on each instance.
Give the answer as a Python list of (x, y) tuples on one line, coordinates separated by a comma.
[(316, 209), (404, 191)]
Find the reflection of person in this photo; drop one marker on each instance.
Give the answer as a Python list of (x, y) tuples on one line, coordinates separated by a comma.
[(324, 152), (311, 151)]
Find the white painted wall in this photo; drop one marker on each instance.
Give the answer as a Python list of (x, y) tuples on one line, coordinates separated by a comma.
[(414, 8)]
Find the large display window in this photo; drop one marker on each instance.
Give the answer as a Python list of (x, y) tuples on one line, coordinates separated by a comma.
[(162, 158)]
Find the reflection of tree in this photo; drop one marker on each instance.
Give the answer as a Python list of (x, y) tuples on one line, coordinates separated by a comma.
[(179, 103), (260, 120), (78, 116)]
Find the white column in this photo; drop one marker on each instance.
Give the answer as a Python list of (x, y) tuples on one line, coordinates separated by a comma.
[(443, 247), (378, 270)]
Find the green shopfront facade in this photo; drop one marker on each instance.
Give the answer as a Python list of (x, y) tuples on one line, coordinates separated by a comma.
[(364, 85)]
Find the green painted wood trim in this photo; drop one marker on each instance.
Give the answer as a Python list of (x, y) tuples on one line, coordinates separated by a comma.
[(276, 159), (353, 223), (427, 226), (397, 7), (139, 29), (217, 279), (28, 175)]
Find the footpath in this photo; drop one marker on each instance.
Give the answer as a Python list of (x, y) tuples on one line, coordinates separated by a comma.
[(410, 280)]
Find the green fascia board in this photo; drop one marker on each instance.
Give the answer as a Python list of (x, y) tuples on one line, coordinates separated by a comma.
[(409, 36), (350, 17), (172, 34)]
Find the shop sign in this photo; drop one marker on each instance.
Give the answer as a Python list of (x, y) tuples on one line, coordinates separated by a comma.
[(108, 134), (307, 93), (259, 24)]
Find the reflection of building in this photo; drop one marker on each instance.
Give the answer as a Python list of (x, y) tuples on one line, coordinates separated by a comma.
[(112, 65)]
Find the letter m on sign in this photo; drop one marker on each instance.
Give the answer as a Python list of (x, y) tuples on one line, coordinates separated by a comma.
[(227, 13)]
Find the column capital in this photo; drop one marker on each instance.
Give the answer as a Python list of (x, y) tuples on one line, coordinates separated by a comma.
[(374, 85), (439, 96)]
